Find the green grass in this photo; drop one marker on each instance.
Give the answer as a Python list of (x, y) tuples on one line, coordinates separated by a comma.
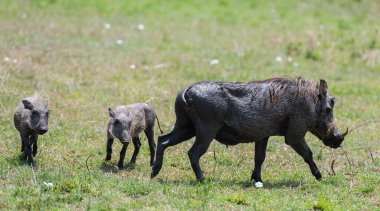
[(66, 55)]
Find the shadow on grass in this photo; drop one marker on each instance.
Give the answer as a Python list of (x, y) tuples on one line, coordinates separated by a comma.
[(106, 166), (283, 184), (243, 184), (19, 160)]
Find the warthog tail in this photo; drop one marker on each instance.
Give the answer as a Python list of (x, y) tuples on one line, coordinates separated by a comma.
[(159, 126), (184, 97)]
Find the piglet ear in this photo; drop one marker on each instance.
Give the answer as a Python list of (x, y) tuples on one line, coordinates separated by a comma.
[(322, 88), (111, 113), (27, 104)]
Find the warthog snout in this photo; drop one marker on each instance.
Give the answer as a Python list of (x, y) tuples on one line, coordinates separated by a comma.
[(335, 139), (42, 130)]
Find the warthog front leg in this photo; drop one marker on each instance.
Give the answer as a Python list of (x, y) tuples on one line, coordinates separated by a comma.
[(122, 155), (33, 140), (137, 145), (301, 147), (109, 148), (22, 146), (23, 155), (260, 152), (27, 148)]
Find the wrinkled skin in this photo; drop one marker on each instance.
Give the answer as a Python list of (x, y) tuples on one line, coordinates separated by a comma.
[(234, 113), (31, 120), (125, 124)]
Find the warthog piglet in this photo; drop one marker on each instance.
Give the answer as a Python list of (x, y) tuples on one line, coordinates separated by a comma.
[(125, 124), (31, 119)]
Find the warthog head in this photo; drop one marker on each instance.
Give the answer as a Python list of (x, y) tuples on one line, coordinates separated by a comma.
[(324, 127), (119, 126), (39, 115)]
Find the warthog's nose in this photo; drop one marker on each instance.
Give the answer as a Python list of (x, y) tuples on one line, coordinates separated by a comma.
[(43, 130), (335, 145)]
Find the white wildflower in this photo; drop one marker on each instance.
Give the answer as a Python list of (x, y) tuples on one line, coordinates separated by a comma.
[(290, 59), (107, 25), (6, 59), (15, 61), (159, 66), (140, 27), (132, 66), (279, 58), (258, 184), (295, 64), (119, 42), (49, 184), (214, 62)]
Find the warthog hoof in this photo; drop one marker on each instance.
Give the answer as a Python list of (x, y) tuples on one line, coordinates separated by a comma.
[(318, 175), (108, 157), (31, 163), (23, 156), (155, 170), (120, 166)]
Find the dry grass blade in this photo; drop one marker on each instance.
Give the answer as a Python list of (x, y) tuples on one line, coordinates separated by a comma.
[(352, 175), (370, 152), (319, 156), (332, 163), (214, 154), (348, 160), (364, 124), (332, 167), (328, 172), (33, 175), (88, 169)]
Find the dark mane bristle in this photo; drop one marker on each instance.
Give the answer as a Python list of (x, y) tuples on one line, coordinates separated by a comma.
[(299, 87)]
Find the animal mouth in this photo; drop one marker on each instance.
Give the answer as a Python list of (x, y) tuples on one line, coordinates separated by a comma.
[(42, 131), (335, 145), (337, 140), (125, 141)]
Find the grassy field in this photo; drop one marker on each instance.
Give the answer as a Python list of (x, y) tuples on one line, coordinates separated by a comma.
[(86, 56)]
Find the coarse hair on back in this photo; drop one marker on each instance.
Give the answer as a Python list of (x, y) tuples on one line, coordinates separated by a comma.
[(296, 88)]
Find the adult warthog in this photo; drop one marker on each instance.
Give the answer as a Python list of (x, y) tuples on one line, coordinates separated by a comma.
[(234, 113)]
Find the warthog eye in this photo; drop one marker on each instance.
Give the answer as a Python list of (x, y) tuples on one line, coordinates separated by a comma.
[(35, 114), (116, 122)]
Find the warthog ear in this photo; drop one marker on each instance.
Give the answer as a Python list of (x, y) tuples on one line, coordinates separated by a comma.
[(27, 104), (111, 112), (322, 88)]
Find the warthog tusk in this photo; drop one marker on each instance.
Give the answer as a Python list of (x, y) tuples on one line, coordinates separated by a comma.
[(345, 133)]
